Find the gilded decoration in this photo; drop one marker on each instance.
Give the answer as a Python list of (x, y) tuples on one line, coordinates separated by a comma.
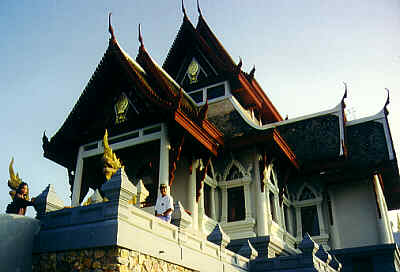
[(110, 160), (121, 108), (14, 181), (193, 71)]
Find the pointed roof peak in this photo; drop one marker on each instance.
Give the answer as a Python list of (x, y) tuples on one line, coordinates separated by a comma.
[(387, 102), (140, 36), (345, 90), (252, 72), (198, 9), (184, 10), (110, 28)]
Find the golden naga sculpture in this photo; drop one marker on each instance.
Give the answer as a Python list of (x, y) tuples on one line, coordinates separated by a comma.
[(14, 181), (110, 160)]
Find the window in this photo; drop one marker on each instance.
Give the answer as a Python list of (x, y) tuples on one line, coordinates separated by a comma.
[(216, 91), (209, 93), (236, 207), (310, 217), (197, 96), (309, 220)]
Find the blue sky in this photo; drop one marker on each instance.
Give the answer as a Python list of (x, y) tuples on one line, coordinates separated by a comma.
[(303, 51)]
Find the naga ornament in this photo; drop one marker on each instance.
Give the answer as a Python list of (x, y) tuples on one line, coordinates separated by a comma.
[(14, 181), (110, 160)]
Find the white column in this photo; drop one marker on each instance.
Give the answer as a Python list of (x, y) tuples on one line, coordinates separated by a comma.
[(212, 203), (260, 199), (247, 201), (383, 224), (321, 222), (191, 195), (201, 210), (268, 206), (334, 234), (224, 215), (299, 224), (78, 179), (164, 159)]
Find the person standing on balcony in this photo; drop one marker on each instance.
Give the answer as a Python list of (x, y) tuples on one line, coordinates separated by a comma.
[(164, 205)]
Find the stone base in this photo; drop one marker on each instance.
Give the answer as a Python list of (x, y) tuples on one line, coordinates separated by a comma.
[(104, 259)]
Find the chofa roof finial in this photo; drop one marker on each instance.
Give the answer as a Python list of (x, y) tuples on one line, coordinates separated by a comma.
[(110, 28), (183, 9), (198, 8), (253, 70), (345, 90), (140, 36), (387, 102), (239, 66)]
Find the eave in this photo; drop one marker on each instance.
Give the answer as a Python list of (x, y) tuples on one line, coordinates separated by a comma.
[(203, 133), (271, 140)]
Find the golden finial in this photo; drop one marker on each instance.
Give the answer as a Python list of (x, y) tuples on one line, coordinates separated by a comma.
[(14, 180), (111, 162)]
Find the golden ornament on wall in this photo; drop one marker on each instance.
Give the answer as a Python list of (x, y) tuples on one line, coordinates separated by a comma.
[(121, 108), (193, 71)]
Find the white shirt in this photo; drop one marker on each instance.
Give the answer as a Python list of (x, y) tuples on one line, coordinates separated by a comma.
[(164, 203)]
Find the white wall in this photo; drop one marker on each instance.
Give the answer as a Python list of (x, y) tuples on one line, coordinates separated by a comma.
[(180, 184), (354, 214)]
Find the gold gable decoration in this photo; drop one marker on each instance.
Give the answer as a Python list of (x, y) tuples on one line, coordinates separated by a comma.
[(193, 72), (14, 181), (110, 160), (121, 108)]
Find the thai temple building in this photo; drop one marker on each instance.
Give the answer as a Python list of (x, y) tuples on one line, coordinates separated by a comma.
[(252, 191)]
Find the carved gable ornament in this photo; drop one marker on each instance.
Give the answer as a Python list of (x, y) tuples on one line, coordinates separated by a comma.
[(193, 71), (121, 108)]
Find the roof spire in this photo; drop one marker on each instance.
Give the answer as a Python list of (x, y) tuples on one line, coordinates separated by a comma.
[(140, 36), (345, 91), (110, 28), (239, 66), (387, 102), (252, 72), (198, 8), (184, 10)]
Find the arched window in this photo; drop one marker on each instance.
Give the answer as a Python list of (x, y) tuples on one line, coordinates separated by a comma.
[(309, 200), (236, 183)]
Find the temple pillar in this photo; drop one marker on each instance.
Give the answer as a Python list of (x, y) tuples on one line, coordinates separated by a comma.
[(164, 159), (299, 223), (191, 195), (268, 207), (201, 210), (321, 222), (212, 203), (76, 189), (382, 222), (260, 199), (247, 201), (224, 215)]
